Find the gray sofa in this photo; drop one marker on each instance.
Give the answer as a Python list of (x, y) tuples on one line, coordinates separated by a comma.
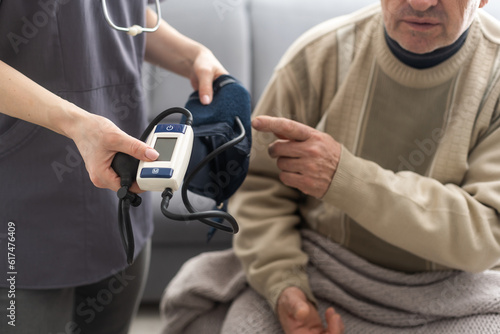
[(248, 37)]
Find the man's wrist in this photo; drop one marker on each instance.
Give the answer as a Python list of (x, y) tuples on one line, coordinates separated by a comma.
[(277, 291)]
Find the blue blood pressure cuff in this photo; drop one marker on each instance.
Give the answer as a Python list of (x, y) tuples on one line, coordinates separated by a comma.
[(215, 125), (218, 164)]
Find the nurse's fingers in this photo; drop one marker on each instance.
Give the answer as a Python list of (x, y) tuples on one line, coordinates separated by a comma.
[(205, 89), (206, 68)]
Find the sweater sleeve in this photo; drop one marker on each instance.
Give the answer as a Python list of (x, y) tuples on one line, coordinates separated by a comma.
[(457, 226), (269, 244)]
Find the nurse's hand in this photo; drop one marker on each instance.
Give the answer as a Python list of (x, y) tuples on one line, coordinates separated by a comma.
[(180, 54), (98, 140), (206, 68)]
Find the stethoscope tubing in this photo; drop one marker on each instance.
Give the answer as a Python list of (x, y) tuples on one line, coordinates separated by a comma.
[(135, 29)]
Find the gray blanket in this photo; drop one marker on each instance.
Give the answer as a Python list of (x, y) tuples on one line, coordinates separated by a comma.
[(210, 295)]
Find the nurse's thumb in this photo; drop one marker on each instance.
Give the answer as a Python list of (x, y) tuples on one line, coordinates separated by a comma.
[(140, 150)]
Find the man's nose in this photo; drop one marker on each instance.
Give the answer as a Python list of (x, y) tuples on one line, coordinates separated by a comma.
[(422, 5)]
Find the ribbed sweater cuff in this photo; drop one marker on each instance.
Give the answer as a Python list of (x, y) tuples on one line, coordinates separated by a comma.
[(348, 185), (300, 281)]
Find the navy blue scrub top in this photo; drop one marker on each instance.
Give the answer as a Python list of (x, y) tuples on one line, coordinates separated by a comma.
[(66, 229)]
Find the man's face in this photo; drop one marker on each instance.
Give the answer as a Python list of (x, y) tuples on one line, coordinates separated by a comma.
[(422, 26)]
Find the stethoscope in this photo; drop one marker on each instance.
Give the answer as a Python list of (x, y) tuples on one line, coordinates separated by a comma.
[(135, 29)]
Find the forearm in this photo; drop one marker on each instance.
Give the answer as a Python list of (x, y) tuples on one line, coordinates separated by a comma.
[(454, 226), (269, 244), (97, 138), (170, 49), (22, 98)]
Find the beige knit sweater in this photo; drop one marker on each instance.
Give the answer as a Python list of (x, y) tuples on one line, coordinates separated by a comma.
[(418, 184)]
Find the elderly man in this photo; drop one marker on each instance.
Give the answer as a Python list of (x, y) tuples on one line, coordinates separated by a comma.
[(397, 157), (387, 143)]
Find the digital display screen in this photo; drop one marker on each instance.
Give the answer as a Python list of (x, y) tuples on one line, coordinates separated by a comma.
[(165, 146)]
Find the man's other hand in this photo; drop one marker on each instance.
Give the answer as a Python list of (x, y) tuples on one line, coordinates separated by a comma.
[(298, 315)]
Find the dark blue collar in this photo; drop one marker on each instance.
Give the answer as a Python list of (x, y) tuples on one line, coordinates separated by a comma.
[(426, 60)]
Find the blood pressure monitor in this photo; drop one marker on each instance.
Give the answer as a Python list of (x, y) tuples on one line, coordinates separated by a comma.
[(174, 142)]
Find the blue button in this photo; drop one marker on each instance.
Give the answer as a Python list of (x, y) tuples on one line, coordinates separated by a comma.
[(157, 173), (180, 128)]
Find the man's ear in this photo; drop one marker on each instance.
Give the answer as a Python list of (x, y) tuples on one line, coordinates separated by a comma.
[(482, 3)]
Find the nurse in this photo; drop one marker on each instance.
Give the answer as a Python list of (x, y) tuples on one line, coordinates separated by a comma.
[(70, 98)]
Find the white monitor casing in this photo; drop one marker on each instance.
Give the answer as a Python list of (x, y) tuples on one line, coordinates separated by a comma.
[(174, 142)]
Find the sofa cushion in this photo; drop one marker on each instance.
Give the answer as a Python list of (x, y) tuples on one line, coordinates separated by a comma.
[(493, 7), (224, 30), (276, 24)]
